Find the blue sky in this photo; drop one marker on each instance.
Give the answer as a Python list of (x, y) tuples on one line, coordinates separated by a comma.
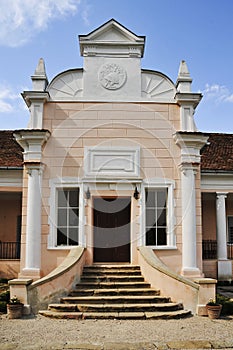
[(200, 32)]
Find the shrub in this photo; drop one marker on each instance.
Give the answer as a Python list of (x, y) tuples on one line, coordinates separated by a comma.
[(227, 304)]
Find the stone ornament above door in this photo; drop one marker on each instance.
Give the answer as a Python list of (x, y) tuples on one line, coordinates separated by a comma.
[(120, 162), (112, 76)]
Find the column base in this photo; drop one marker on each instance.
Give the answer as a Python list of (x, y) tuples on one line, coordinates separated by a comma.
[(30, 273), (225, 270), (191, 272)]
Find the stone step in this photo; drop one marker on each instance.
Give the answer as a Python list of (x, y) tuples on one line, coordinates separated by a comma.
[(127, 299), (108, 272), (110, 285), (139, 307), (112, 267), (111, 278), (114, 291), (116, 315)]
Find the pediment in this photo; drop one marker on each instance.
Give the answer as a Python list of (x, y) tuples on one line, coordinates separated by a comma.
[(112, 30), (111, 34)]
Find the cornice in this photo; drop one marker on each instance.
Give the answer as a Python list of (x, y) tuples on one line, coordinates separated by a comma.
[(37, 96)]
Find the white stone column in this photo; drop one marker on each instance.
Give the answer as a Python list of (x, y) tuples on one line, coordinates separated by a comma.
[(221, 226), (224, 265), (33, 228), (188, 188)]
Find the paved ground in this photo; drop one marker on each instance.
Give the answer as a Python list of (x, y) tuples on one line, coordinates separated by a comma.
[(37, 333)]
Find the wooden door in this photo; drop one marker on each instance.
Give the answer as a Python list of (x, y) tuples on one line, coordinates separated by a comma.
[(112, 229)]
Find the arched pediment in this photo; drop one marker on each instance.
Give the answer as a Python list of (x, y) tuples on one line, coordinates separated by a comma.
[(157, 87), (67, 85)]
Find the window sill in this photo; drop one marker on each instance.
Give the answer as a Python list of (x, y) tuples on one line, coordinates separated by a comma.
[(63, 247), (162, 247)]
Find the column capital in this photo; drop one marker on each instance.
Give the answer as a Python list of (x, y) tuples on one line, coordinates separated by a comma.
[(29, 166), (190, 144), (32, 142), (184, 167), (221, 194)]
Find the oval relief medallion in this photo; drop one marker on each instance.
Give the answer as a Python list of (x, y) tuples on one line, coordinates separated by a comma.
[(112, 76)]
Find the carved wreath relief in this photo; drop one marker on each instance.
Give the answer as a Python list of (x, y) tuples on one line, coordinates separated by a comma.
[(112, 76)]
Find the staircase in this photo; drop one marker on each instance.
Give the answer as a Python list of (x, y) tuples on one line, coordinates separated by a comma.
[(114, 292)]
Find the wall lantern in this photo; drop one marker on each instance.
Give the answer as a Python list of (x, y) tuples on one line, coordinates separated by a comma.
[(88, 193), (136, 193)]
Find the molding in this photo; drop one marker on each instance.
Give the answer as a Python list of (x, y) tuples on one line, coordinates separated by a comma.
[(9, 178), (217, 182), (160, 182), (188, 98), (117, 162), (35, 96)]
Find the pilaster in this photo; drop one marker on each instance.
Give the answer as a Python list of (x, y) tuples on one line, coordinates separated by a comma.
[(190, 145), (32, 142)]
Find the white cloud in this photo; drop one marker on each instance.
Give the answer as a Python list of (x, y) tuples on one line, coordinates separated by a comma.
[(10, 100), (5, 107), (85, 14), (219, 93), (21, 20), (230, 98)]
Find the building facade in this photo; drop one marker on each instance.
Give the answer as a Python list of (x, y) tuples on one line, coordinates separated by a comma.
[(113, 164)]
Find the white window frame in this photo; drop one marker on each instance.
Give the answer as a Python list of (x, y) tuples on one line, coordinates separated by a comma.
[(157, 184), (55, 185)]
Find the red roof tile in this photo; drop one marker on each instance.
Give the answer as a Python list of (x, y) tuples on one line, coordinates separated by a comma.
[(218, 153), (10, 151)]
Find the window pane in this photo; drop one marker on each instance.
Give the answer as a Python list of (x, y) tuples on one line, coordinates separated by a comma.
[(151, 236), (156, 216), (161, 198), (68, 217), (73, 236), (161, 221), (73, 198), (230, 229), (62, 198), (150, 217), (161, 236), (150, 198), (73, 217), (61, 236), (62, 217)]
